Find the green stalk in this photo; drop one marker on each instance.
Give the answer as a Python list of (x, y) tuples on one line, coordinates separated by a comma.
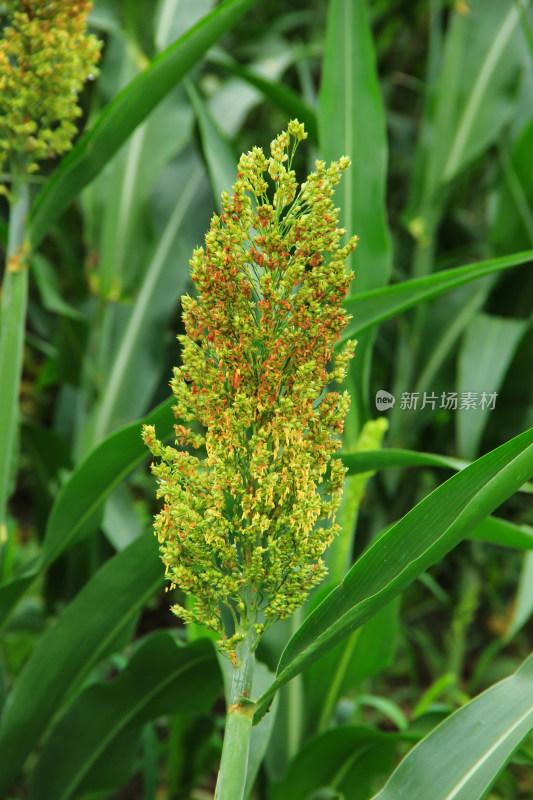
[(13, 323), (234, 762)]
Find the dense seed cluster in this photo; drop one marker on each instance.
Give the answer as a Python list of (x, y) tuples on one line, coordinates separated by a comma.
[(45, 58), (243, 528)]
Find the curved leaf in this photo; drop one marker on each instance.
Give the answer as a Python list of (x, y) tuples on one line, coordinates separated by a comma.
[(88, 486), (460, 758), (120, 118), (161, 678), (327, 760), (84, 633), (373, 307), (407, 549), (366, 460)]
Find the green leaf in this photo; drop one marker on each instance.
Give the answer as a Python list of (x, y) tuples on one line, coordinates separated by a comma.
[(326, 761), (278, 93), (395, 559), (369, 460), (128, 385), (221, 162), (49, 288), (513, 216), (76, 512), (351, 121), (85, 632), (161, 678), (523, 605), (370, 308), (73, 514), (120, 118), (12, 591), (506, 534), (489, 71), (474, 95), (462, 756), (486, 352), (363, 654)]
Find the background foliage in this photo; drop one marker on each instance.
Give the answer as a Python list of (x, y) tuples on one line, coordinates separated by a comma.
[(105, 694)]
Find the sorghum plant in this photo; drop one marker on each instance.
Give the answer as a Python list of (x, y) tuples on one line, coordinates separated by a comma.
[(45, 58), (243, 528)]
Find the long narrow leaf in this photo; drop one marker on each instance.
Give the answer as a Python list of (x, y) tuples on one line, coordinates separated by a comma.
[(92, 481), (85, 632), (370, 308), (120, 118), (279, 95), (417, 541), (351, 121), (161, 678), (460, 758), (75, 513)]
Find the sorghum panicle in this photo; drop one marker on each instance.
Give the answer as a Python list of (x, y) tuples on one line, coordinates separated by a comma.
[(45, 58), (245, 526)]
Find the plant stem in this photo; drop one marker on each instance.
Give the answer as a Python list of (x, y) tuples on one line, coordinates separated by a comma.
[(234, 763), (13, 323)]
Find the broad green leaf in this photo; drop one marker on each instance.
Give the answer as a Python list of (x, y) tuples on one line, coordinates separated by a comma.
[(395, 559), (384, 706), (348, 759), (84, 633), (486, 352), (94, 478), (120, 118), (462, 756), (161, 678), (117, 203), (370, 308), (12, 591), (444, 324), (173, 18), (121, 522), (351, 121), (77, 510)]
